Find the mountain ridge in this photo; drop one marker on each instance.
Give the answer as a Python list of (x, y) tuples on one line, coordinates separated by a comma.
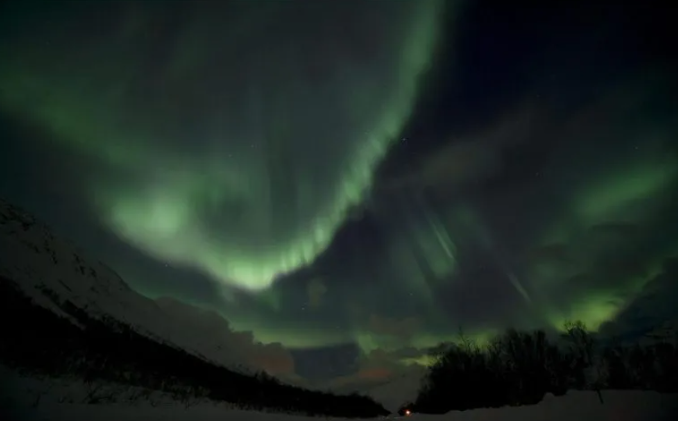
[(64, 315), (45, 266)]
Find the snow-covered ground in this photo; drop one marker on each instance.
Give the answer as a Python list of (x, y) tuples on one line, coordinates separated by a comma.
[(23, 398), (576, 406)]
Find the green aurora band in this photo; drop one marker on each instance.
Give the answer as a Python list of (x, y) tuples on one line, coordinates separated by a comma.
[(275, 212)]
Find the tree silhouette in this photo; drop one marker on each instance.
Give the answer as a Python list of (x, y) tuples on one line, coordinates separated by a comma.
[(520, 367)]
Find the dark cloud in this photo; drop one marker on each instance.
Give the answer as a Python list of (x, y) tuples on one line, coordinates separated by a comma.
[(403, 329), (379, 368), (652, 307), (467, 157), (480, 294), (207, 329), (319, 365), (316, 291)]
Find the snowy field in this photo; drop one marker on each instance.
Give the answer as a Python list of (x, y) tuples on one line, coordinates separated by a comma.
[(34, 399), (576, 406)]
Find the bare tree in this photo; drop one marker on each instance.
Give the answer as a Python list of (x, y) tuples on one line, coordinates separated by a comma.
[(189, 395), (583, 345), (137, 394), (97, 393), (46, 384)]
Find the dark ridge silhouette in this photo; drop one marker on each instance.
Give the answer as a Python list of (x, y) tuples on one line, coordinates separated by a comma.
[(37, 341), (519, 368)]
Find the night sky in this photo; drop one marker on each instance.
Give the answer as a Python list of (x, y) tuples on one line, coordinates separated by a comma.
[(356, 180)]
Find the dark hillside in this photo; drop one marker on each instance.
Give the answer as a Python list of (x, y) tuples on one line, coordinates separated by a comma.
[(38, 341)]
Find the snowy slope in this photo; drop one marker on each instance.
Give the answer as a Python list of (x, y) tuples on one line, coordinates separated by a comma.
[(39, 262)]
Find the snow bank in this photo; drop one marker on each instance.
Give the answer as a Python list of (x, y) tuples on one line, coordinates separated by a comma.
[(576, 406)]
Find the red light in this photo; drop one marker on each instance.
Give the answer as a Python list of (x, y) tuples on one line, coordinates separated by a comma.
[(407, 412)]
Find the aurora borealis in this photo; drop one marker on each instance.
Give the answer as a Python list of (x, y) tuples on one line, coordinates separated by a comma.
[(251, 122), (354, 180)]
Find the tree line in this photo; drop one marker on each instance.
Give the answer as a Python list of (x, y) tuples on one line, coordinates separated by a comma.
[(520, 367)]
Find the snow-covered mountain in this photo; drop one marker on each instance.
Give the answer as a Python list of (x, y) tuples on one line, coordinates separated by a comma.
[(68, 316), (50, 270)]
